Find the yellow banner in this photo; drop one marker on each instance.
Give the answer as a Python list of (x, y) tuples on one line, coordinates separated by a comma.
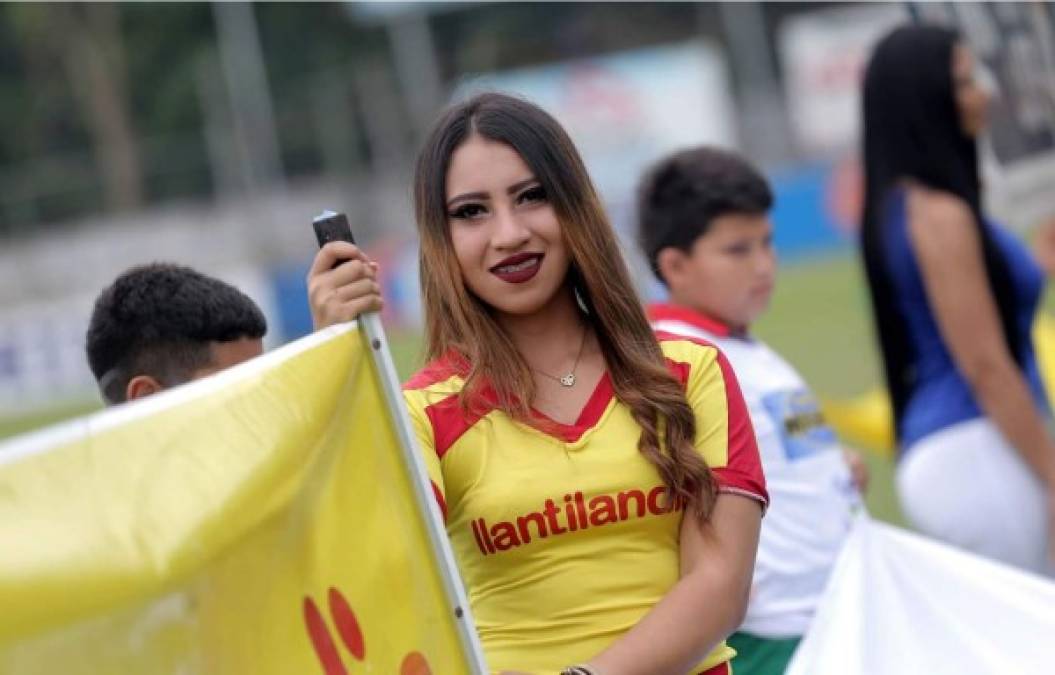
[(259, 521)]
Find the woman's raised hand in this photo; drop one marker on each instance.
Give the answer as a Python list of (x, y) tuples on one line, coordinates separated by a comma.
[(1044, 246), (342, 284), (859, 471)]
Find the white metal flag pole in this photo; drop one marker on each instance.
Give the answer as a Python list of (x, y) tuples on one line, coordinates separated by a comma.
[(373, 331), (330, 226)]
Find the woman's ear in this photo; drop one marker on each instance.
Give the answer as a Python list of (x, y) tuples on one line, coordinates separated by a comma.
[(141, 386), (671, 264)]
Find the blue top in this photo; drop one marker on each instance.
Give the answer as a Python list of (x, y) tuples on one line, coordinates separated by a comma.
[(940, 396)]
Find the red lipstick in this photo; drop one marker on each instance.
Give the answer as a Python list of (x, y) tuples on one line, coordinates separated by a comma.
[(519, 268)]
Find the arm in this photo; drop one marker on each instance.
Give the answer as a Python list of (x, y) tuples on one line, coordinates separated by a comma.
[(707, 603), (1044, 246), (950, 258), (716, 557), (858, 469)]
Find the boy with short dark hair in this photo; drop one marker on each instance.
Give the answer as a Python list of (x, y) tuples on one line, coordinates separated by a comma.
[(704, 226), (161, 324)]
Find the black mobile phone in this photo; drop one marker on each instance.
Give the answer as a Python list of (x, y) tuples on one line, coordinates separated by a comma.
[(330, 226)]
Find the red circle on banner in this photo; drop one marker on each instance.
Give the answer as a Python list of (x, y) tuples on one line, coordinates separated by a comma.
[(325, 649), (347, 624), (415, 664)]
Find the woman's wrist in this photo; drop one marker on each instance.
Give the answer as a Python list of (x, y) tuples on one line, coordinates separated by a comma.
[(581, 669), (1046, 472)]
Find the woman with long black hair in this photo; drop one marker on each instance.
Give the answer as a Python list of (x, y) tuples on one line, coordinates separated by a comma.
[(954, 298)]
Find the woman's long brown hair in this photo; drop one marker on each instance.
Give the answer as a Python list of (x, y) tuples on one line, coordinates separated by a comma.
[(457, 321)]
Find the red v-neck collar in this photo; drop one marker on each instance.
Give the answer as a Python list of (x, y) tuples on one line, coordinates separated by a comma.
[(662, 311), (588, 418)]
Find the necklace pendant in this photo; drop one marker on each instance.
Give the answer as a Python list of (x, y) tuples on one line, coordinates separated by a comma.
[(568, 380)]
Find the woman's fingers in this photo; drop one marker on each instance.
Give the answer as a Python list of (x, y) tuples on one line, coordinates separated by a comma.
[(346, 304), (361, 305), (357, 289), (1044, 246), (858, 469), (341, 293), (1051, 527), (349, 272), (332, 253)]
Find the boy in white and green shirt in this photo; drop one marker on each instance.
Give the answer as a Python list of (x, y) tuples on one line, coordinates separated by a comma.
[(704, 226)]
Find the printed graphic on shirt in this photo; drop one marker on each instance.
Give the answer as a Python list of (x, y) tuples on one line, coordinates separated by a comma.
[(564, 534), (799, 422), (574, 514)]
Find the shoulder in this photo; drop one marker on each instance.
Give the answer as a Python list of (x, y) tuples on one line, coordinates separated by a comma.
[(451, 366), (689, 357), (669, 318), (677, 346), (943, 233), (939, 214), (433, 398), (440, 379)]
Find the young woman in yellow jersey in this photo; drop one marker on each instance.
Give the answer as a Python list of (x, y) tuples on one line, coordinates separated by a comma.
[(601, 484)]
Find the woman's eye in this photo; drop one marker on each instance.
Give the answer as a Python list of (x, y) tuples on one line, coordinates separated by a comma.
[(467, 211), (533, 194), (738, 250)]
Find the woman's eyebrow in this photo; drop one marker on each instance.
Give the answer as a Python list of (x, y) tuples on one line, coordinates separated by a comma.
[(520, 185), (512, 189), (466, 197)]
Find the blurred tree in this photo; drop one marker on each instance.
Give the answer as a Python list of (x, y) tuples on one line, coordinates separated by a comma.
[(37, 122), (170, 46), (110, 106), (86, 40)]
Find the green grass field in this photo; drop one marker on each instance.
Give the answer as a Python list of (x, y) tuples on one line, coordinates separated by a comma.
[(819, 321)]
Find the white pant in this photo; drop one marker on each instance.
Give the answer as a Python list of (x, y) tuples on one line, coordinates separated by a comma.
[(966, 486)]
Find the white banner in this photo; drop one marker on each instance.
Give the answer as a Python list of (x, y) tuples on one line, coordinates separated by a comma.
[(900, 604)]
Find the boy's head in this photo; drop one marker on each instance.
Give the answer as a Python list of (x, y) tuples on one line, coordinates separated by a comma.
[(703, 219), (160, 325)]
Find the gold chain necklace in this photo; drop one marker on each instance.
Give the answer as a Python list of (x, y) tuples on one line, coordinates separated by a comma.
[(568, 378)]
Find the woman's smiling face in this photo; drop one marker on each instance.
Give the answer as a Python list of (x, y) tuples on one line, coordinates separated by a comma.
[(505, 232)]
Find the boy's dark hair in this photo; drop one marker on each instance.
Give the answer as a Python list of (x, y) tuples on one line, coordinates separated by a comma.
[(680, 196), (159, 320)]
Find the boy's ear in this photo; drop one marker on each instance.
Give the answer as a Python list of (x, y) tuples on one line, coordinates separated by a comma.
[(671, 264), (141, 386)]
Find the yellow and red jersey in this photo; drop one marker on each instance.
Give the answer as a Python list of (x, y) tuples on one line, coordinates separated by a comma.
[(564, 537)]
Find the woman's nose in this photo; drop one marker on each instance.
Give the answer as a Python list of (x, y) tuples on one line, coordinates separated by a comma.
[(509, 232)]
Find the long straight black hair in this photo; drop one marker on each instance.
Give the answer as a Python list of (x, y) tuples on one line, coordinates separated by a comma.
[(912, 131)]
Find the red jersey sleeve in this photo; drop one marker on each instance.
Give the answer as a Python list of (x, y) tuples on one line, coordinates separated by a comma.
[(724, 435)]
